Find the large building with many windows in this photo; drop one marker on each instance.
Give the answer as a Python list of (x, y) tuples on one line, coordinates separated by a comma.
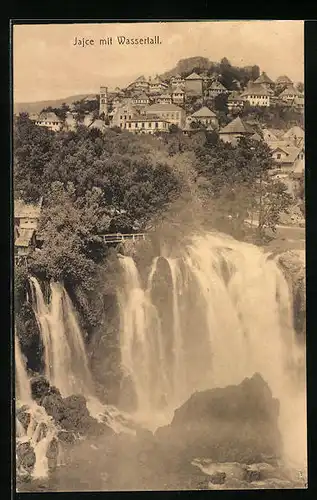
[(141, 124), (170, 112)]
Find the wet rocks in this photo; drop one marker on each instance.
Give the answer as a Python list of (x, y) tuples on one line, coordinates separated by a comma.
[(293, 265), (52, 454), (25, 459), (231, 424), (218, 478), (23, 415)]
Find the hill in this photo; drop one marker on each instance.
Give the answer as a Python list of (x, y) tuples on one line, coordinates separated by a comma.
[(36, 107), (188, 65)]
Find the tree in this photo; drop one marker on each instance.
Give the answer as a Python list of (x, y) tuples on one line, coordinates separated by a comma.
[(270, 200), (300, 87), (32, 151)]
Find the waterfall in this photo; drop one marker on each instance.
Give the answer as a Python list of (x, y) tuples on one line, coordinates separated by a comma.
[(23, 390), (230, 313), (41, 428), (65, 359)]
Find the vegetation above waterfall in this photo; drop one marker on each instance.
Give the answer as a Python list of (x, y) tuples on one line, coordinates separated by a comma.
[(94, 183)]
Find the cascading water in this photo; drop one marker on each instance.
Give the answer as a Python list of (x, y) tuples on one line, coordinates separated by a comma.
[(217, 313), (41, 429), (23, 390), (65, 359), (66, 365)]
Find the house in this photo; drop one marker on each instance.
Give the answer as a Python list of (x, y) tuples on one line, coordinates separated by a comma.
[(98, 124), (289, 94), (206, 78), (283, 81), (204, 116), (122, 113), (295, 134), (164, 99), (178, 95), (256, 95), (299, 103), (234, 130), (49, 120), (269, 135), (141, 83), (235, 101), (157, 86), (286, 157), (170, 112), (26, 215), (194, 84), (264, 80), (24, 243), (215, 89), (140, 124), (177, 81), (140, 99)]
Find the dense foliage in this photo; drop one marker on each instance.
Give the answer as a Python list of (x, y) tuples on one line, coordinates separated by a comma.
[(94, 183)]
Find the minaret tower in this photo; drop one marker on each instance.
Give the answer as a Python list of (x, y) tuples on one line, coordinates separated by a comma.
[(103, 107)]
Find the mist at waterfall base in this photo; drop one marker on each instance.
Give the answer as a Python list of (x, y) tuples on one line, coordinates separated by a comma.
[(208, 315), (203, 315)]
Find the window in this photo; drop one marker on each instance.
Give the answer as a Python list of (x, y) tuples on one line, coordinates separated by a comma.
[(150, 124), (156, 125), (130, 117), (120, 117), (143, 124), (278, 156), (136, 124), (129, 125)]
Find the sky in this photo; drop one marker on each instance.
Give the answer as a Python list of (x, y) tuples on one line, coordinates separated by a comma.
[(47, 65)]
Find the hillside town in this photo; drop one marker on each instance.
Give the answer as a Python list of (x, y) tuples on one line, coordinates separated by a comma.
[(153, 105), (187, 105)]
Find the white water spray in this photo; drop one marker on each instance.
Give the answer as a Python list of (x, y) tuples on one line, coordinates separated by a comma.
[(230, 313)]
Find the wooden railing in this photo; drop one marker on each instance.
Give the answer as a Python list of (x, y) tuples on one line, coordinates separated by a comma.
[(118, 237)]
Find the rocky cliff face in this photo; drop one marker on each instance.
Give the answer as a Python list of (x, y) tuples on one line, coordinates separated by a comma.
[(292, 263), (231, 424)]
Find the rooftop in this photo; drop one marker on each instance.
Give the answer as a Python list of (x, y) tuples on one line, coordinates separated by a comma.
[(24, 237), (163, 107), (217, 85), (263, 78), (193, 76), (255, 89), (204, 111), (48, 117), (283, 79), (290, 90), (237, 126)]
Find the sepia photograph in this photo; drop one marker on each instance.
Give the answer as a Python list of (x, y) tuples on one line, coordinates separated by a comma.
[(159, 330)]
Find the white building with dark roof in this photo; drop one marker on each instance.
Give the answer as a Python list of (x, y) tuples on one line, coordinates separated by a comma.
[(146, 124), (49, 120), (205, 116), (216, 88), (256, 95), (178, 95), (236, 129), (289, 94)]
